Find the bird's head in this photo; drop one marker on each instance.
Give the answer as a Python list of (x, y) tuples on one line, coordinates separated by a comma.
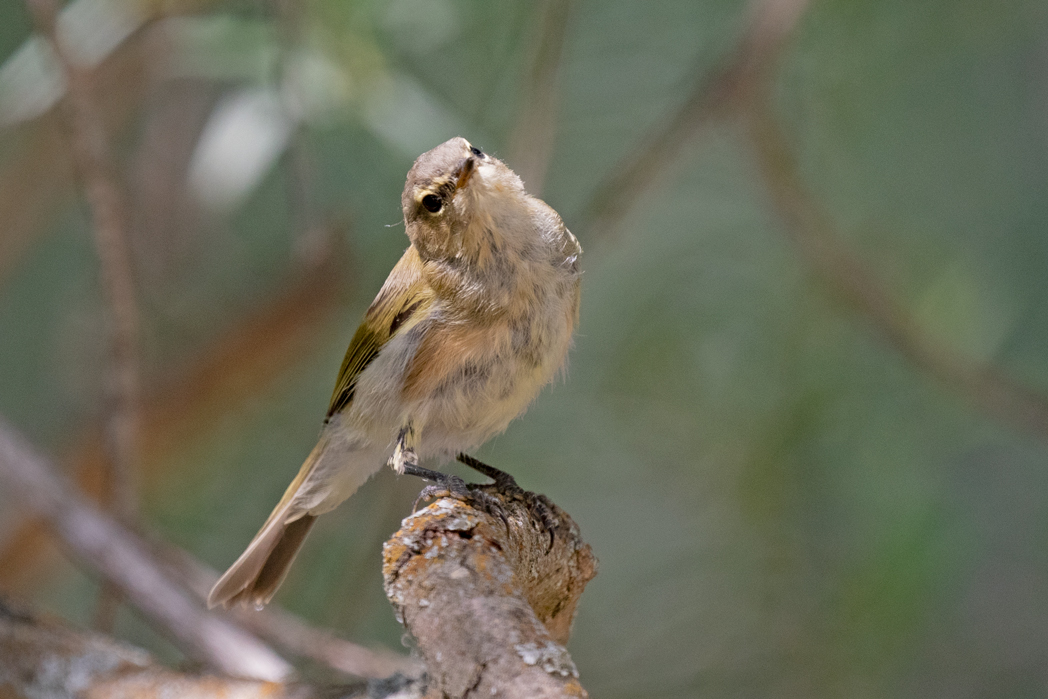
[(459, 201)]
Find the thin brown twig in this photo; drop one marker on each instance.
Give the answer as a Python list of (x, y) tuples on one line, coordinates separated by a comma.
[(531, 143), (770, 25), (108, 549), (823, 249), (109, 218)]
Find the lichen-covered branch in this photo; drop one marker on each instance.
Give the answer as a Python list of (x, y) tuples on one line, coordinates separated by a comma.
[(489, 596)]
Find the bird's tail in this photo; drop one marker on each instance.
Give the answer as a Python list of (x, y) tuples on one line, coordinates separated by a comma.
[(254, 578)]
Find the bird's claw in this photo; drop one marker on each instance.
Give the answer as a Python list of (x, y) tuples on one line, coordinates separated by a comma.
[(538, 505), (446, 487)]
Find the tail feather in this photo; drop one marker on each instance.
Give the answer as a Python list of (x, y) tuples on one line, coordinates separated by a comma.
[(332, 472), (254, 578), (256, 575), (279, 562)]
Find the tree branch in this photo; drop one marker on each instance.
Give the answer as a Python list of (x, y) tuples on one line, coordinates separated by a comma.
[(487, 595), (288, 631), (41, 658), (119, 556)]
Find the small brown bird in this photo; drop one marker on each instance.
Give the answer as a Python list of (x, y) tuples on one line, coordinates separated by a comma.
[(475, 318)]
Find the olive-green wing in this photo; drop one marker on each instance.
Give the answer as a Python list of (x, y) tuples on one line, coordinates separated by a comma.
[(404, 296)]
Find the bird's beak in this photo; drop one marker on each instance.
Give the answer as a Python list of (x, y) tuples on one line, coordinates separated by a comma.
[(464, 172)]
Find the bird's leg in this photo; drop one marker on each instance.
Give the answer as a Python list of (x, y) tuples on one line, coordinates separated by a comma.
[(446, 486), (405, 460), (404, 455), (539, 505), (503, 481)]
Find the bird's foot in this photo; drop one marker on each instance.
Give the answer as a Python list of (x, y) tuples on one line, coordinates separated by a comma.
[(540, 507), (445, 485), (504, 482)]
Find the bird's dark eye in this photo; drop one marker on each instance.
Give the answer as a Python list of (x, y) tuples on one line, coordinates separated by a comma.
[(432, 203), (476, 151)]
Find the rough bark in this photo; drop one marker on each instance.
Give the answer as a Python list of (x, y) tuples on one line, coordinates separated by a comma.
[(489, 596)]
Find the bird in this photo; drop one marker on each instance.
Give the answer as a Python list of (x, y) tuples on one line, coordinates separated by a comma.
[(475, 318)]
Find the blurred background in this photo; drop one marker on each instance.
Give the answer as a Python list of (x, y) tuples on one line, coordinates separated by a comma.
[(803, 427)]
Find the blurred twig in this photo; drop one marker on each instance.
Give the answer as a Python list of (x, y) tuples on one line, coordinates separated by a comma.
[(109, 216), (819, 243), (771, 23), (531, 144), (286, 630), (119, 556), (44, 658), (154, 582)]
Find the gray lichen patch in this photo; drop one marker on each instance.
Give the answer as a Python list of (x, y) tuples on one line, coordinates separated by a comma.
[(551, 657)]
